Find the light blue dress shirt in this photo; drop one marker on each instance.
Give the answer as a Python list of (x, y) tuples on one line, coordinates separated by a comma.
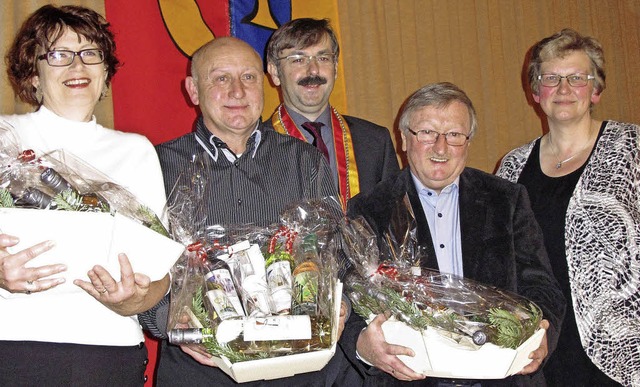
[(442, 211)]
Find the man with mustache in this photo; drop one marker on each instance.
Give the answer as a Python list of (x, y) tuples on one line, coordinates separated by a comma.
[(302, 59)]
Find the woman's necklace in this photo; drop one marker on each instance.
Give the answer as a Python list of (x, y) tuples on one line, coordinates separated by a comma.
[(555, 153)]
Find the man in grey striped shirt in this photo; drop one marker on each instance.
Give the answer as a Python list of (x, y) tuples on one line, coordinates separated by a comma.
[(254, 172)]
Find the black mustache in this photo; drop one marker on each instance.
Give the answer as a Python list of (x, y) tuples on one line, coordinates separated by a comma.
[(312, 80)]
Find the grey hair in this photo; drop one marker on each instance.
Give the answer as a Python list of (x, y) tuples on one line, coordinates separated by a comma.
[(440, 95)]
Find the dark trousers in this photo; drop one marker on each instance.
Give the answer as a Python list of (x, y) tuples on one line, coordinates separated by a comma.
[(29, 363)]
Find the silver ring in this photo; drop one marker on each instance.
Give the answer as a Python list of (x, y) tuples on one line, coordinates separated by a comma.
[(29, 284), (103, 291)]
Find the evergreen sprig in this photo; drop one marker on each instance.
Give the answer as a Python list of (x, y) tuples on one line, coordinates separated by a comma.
[(214, 347), (508, 328), (504, 328), (197, 306), (70, 200), (510, 331), (374, 301), (150, 219), (6, 200)]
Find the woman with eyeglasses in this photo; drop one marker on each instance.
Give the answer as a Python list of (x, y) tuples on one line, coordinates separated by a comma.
[(583, 178), (61, 62)]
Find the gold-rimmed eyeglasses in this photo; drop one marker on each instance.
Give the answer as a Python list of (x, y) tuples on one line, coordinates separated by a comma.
[(431, 137)]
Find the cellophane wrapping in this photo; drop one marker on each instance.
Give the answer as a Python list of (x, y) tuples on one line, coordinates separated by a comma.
[(212, 310), (59, 180), (386, 276)]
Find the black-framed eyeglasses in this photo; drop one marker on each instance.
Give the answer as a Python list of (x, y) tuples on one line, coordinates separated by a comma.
[(431, 137), (61, 58), (300, 60), (575, 80)]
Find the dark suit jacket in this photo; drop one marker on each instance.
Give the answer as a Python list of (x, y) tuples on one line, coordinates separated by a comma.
[(375, 155), (502, 245)]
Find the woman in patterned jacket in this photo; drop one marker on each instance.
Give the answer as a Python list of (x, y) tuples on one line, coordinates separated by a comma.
[(583, 180)]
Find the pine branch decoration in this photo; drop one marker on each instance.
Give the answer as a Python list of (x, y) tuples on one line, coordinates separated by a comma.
[(197, 306), (504, 327), (214, 347), (68, 201), (508, 328), (151, 220), (5, 199)]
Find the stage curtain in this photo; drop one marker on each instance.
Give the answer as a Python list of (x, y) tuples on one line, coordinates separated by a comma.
[(393, 47)]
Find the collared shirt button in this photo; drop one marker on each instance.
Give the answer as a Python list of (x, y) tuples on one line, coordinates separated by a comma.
[(442, 245), (239, 201), (439, 214)]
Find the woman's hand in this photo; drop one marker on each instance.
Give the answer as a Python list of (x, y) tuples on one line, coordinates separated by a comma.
[(134, 293), (16, 278)]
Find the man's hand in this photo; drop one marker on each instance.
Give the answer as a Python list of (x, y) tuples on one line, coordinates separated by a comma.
[(199, 354), (538, 356), (373, 348), (343, 315), (196, 351)]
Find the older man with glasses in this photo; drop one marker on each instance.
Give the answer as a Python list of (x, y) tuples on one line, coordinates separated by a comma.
[(470, 223)]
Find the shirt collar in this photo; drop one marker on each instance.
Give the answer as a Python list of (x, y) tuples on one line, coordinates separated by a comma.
[(207, 140), (299, 119), (423, 189)]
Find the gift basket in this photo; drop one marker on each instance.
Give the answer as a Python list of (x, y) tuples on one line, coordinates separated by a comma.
[(56, 196), (264, 301), (457, 327)]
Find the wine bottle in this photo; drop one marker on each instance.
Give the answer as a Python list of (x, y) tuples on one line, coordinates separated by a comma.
[(58, 184), (221, 289), (280, 281), (33, 197), (306, 276), (191, 335)]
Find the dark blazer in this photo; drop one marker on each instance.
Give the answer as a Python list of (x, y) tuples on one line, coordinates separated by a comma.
[(375, 155), (502, 245)]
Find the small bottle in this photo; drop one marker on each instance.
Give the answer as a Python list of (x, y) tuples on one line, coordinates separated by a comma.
[(306, 277), (221, 290), (33, 197), (58, 184), (257, 302), (280, 281), (191, 336)]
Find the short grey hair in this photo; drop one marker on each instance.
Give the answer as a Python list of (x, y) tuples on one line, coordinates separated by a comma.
[(440, 95)]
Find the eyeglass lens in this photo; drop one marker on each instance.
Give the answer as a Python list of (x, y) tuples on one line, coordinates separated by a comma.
[(431, 137), (304, 60), (576, 80), (66, 57)]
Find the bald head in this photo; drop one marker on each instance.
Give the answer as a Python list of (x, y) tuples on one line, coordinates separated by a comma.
[(226, 82), (224, 44)]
